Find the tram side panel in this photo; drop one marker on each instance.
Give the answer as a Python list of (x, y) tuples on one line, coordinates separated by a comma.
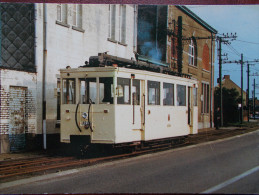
[(165, 122), (128, 127)]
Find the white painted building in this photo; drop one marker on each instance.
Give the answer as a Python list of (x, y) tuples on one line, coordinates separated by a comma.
[(72, 34)]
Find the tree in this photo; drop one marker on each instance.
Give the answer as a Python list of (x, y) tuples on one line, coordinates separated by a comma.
[(230, 98)]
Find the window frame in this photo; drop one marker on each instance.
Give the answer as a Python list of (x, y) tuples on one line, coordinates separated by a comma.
[(88, 90), (65, 93), (165, 100), (195, 96), (109, 90), (126, 92), (177, 95), (191, 54), (62, 13), (135, 98), (77, 17), (205, 103), (112, 23), (122, 24), (157, 92)]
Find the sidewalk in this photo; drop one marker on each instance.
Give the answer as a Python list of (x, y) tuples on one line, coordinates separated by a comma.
[(20, 155)]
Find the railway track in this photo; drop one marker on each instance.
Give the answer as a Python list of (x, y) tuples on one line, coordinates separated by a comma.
[(16, 169)]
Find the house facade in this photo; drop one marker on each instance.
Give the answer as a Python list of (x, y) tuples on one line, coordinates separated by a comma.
[(187, 46), (229, 84), (56, 36), (197, 57)]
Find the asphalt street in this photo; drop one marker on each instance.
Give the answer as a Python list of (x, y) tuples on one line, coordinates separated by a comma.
[(225, 166)]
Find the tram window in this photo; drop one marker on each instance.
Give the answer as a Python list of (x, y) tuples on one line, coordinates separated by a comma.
[(136, 92), (88, 90), (181, 95), (195, 97), (69, 89), (153, 93), (106, 90), (168, 90), (123, 91)]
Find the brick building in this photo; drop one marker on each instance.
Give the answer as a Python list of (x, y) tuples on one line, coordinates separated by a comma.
[(158, 41), (229, 84), (18, 77), (198, 48)]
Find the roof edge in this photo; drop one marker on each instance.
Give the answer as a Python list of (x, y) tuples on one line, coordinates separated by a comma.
[(197, 18)]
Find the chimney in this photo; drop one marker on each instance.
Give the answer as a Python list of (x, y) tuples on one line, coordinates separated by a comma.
[(227, 77)]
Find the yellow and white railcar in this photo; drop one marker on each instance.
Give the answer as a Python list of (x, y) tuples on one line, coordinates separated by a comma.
[(114, 105)]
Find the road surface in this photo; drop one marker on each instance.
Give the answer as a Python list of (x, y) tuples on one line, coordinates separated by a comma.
[(225, 166)]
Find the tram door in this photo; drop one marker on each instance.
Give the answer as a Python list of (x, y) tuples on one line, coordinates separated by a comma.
[(190, 109)]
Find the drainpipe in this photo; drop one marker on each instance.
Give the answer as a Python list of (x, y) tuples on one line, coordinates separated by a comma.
[(135, 29), (211, 81), (44, 131), (0, 68)]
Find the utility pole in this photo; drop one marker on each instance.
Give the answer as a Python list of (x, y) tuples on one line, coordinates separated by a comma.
[(239, 62), (242, 62), (248, 104), (254, 99), (220, 82), (222, 39)]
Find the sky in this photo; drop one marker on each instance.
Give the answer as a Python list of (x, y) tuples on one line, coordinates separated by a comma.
[(240, 19)]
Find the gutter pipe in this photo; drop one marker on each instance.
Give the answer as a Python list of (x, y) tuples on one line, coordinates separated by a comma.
[(44, 130)]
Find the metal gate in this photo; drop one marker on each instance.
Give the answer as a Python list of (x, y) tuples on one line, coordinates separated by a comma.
[(17, 117)]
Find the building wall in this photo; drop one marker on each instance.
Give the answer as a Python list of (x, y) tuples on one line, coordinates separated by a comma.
[(17, 36), (17, 76), (229, 84), (204, 54), (18, 109), (69, 47)]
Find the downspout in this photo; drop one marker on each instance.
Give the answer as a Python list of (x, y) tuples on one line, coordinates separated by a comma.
[(211, 81), (0, 68), (167, 27), (135, 29), (44, 131)]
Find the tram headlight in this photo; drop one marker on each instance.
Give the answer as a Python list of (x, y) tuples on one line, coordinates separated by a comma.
[(85, 115)]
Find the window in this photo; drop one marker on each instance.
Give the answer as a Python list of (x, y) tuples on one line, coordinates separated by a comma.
[(205, 98), (195, 97), (77, 12), (88, 90), (62, 13), (168, 90), (123, 91), (153, 93), (106, 90), (181, 95), (112, 22), (122, 24), (136, 92), (191, 53), (69, 91)]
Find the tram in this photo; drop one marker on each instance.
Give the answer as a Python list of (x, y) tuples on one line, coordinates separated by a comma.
[(114, 101)]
